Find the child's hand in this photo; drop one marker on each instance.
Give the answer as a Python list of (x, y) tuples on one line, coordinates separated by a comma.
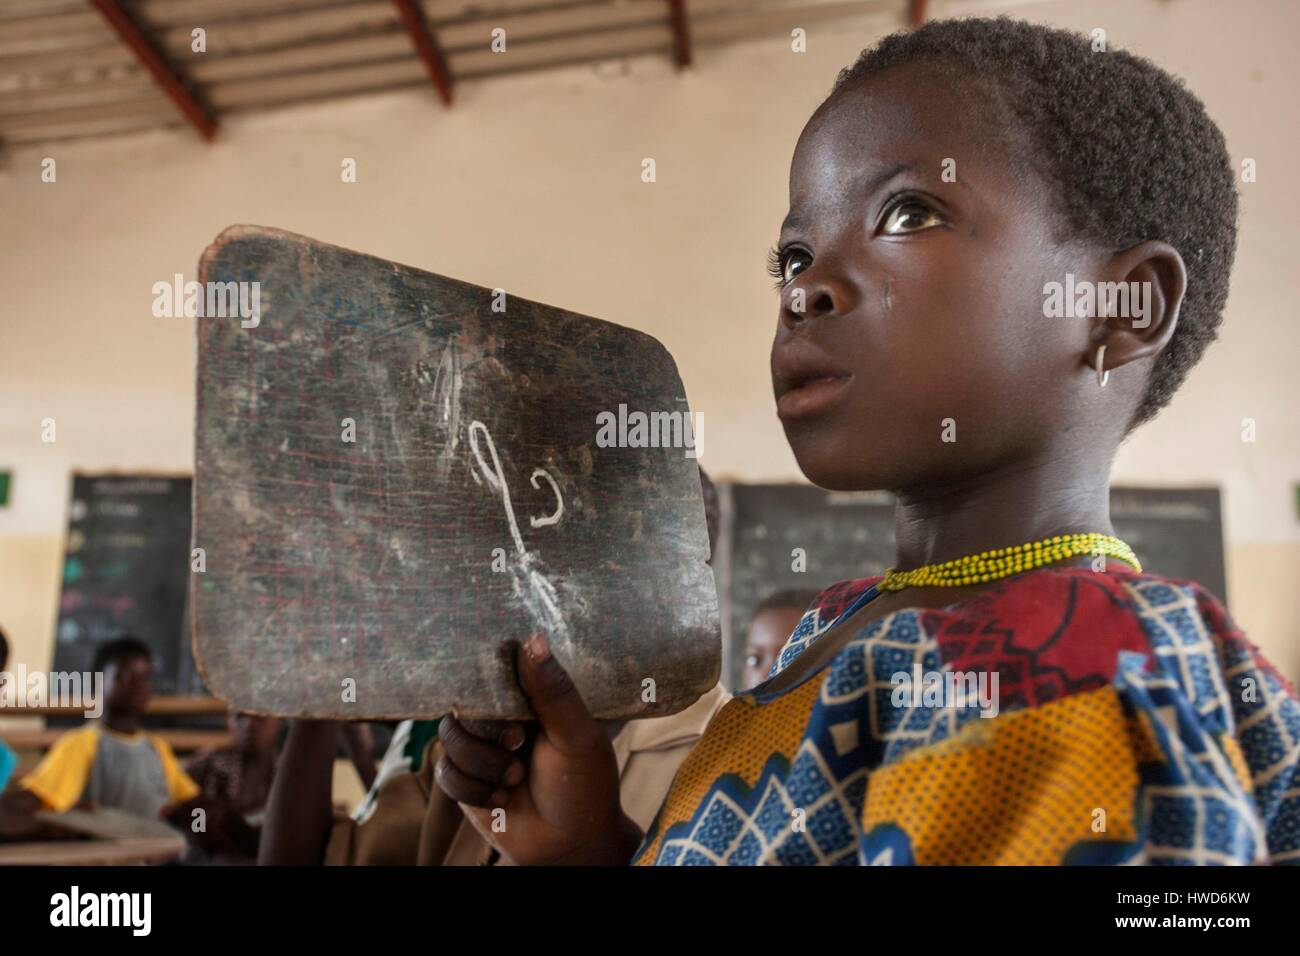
[(564, 807)]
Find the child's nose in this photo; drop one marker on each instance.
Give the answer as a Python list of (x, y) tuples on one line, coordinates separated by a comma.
[(812, 294)]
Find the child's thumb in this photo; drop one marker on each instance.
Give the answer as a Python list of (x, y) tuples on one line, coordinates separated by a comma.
[(554, 698)]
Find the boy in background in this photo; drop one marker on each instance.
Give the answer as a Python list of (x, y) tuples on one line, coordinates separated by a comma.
[(112, 762)]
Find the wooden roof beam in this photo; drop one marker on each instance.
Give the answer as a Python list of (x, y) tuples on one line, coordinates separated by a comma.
[(681, 32), (162, 72), (426, 46)]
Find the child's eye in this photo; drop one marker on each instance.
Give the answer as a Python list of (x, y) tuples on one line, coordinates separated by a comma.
[(784, 264), (909, 215)]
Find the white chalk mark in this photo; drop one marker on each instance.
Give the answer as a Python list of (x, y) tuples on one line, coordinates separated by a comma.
[(447, 384), (495, 478), (532, 587), (559, 500)]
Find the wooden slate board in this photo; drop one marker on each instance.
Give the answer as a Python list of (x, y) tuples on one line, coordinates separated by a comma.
[(372, 561)]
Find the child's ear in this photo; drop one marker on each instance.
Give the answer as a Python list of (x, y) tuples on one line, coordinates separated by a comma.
[(1155, 279)]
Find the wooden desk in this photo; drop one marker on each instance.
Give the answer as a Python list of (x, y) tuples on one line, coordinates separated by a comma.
[(110, 837), (181, 741), (124, 852), (158, 706)]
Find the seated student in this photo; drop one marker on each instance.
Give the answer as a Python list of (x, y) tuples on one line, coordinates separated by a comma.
[(240, 775), (16, 822), (952, 183), (8, 759), (237, 777), (774, 620), (113, 763)]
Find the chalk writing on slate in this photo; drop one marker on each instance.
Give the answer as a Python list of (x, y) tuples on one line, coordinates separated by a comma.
[(393, 479)]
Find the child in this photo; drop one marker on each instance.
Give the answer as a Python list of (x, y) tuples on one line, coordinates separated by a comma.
[(8, 759), (240, 775), (774, 620), (112, 762), (953, 182), (238, 780)]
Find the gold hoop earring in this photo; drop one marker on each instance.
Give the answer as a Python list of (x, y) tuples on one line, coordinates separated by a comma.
[(1102, 376)]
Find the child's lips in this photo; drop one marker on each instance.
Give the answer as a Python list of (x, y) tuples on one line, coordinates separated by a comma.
[(812, 396)]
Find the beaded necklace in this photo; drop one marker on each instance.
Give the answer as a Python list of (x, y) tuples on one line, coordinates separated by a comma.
[(1004, 562)]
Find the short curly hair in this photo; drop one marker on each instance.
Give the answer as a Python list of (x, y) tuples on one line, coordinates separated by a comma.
[(799, 599), (119, 649), (1128, 150)]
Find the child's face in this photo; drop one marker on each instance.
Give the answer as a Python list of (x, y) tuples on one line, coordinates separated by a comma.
[(128, 685), (923, 299), (768, 632)]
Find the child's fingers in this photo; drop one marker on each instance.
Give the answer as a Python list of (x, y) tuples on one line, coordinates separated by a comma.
[(505, 733), (465, 789), (478, 757), (555, 699)]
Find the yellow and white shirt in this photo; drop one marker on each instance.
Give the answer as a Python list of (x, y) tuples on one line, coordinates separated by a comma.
[(136, 772)]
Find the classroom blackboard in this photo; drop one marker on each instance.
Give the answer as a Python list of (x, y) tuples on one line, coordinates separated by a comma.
[(126, 569), (797, 536), (773, 530), (1175, 532)]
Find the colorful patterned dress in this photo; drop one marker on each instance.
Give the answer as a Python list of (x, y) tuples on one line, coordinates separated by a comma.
[(1134, 724)]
